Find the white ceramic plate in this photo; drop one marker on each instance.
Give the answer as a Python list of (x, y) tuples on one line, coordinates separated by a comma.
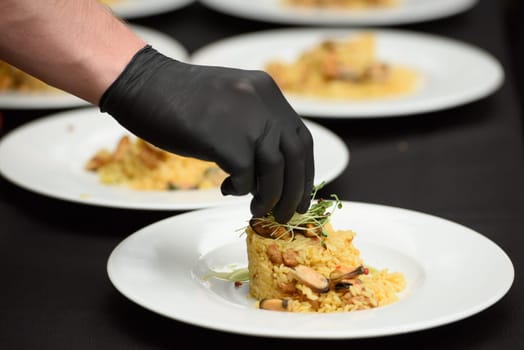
[(143, 8), (43, 100), (408, 11), (47, 156), (452, 73), (452, 272)]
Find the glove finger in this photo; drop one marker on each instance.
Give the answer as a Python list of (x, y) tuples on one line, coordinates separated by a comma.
[(238, 184), (241, 169), (269, 173), (294, 180), (309, 169)]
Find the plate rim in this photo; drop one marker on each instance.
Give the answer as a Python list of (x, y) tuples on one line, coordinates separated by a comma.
[(150, 8), (453, 8)]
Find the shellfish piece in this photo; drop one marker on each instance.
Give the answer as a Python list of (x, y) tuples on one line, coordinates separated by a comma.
[(340, 271), (258, 226), (342, 285), (274, 304), (264, 229), (337, 275), (309, 230), (311, 278), (274, 254), (290, 257)]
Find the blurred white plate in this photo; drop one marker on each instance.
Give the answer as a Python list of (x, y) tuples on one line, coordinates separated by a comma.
[(48, 155), (49, 100), (452, 72), (407, 11), (143, 8), (452, 272)]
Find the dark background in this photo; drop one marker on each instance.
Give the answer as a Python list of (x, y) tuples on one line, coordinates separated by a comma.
[(464, 164)]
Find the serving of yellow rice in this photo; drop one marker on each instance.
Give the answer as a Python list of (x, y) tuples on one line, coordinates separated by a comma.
[(142, 166), (13, 79), (343, 69), (277, 266)]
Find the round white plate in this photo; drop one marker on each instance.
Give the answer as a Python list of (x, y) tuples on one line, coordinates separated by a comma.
[(47, 156), (452, 73), (142, 8), (452, 272), (43, 100), (408, 11)]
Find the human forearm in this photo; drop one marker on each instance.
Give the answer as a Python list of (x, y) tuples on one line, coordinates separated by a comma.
[(75, 45)]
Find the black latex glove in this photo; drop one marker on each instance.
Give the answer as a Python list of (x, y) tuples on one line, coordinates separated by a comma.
[(238, 119)]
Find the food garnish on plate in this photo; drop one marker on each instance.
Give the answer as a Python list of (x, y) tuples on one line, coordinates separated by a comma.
[(142, 166), (343, 68)]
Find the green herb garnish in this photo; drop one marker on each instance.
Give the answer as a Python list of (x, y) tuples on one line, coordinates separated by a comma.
[(237, 275), (309, 223)]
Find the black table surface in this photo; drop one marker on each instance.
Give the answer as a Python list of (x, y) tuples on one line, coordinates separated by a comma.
[(465, 164)]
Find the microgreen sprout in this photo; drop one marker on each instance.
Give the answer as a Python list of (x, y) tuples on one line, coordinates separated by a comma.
[(311, 221)]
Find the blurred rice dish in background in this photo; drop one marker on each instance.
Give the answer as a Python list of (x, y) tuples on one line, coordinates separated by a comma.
[(142, 166), (13, 79), (344, 69)]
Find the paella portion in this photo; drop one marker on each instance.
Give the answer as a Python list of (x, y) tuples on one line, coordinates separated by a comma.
[(307, 265), (343, 68), (139, 165)]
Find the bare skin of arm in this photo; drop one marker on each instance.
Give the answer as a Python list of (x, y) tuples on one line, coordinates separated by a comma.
[(78, 46)]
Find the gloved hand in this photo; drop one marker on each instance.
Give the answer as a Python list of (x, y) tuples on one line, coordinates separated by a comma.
[(236, 118)]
